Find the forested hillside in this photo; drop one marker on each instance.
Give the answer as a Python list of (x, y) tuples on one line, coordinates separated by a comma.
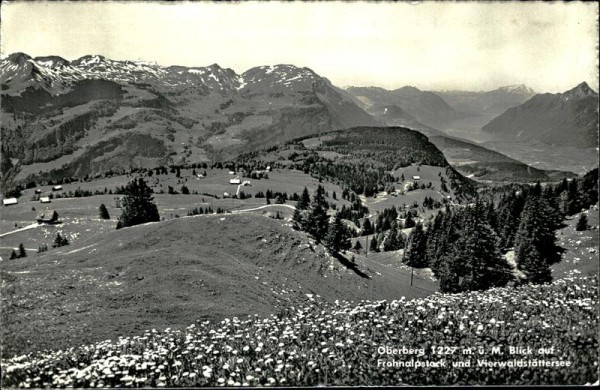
[(360, 158), (464, 245)]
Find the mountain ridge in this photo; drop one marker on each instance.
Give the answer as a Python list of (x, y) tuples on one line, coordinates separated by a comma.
[(492, 102), (569, 118), (424, 108), (52, 107)]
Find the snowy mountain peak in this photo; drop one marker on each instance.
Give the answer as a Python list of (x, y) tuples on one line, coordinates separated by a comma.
[(55, 74), (517, 88), (52, 61), (280, 76), (89, 60)]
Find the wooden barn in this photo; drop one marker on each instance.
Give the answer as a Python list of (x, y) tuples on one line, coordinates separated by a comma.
[(47, 216)]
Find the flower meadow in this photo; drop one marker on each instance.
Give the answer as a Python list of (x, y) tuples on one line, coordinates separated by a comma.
[(340, 344)]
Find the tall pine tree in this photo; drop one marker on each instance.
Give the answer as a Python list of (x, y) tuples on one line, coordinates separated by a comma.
[(415, 254), (476, 254), (138, 205), (337, 237), (317, 221), (535, 243)]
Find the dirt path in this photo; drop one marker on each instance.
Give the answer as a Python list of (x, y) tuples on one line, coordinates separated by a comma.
[(262, 207), (32, 226), (11, 247)]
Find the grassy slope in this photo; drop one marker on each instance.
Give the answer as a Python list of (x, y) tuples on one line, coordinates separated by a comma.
[(578, 260), (172, 273)]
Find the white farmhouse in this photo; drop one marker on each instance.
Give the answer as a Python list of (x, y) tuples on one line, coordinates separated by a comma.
[(235, 181), (45, 199)]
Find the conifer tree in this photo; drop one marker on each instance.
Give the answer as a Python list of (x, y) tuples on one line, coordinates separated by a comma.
[(13, 255), (401, 239), (304, 201), (393, 241), (57, 241), (589, 188), (477, 252), (374, 245), (582, 223), (367, 228), (572, 203), (317, 220), (535, 243), (447, 274), (138, 205), (297, 219), (22, 252), (415, 254), (409, 222), (337, 237), (103, 212), (530, 261)]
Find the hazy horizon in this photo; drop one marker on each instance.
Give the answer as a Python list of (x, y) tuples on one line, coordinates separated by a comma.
[(549, 47)]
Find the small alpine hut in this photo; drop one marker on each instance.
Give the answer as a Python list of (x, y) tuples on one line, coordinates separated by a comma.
[(235, 181), (47, 216), (416, 178), (45, 199)]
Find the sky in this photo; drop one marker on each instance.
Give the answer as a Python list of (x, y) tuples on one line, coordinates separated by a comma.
[(550, 47)]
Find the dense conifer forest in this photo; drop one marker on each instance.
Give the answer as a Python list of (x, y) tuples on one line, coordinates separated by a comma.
[(464, 245)]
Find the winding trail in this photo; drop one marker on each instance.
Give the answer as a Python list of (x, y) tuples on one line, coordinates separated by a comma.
[(263, 207)]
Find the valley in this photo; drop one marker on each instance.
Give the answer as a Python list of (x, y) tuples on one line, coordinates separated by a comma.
[(153, 200)]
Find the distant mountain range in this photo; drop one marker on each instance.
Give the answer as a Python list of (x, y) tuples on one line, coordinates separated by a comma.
[(93, 114), (562, 119), (406, 106), (543, 130), (493, 102), (108, 114)]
